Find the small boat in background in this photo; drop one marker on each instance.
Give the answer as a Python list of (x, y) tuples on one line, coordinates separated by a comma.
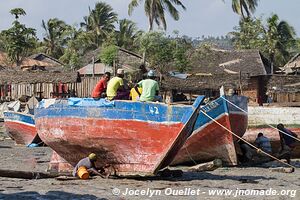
[(209, 140), (20, 126), (135, 138)]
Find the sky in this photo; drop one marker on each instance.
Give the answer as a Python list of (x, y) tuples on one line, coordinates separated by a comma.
[(202, 17)]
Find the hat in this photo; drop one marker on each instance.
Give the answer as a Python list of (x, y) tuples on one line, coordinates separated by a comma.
[(93, 157), (151, 73), (120, 71)]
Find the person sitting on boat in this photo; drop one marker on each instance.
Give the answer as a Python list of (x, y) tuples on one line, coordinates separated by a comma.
[(287, 142), (116, 89), (150, 88), (135, 93), (89, 163), (99, 90), (263, 143)]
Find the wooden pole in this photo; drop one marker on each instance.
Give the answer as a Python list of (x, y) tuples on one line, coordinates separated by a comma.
[(26, 174)]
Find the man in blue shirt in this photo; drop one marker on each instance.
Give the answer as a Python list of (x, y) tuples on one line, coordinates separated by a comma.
[(263, 143)]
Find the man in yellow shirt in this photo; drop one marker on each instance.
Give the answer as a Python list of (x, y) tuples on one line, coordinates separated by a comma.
[(115, 87)]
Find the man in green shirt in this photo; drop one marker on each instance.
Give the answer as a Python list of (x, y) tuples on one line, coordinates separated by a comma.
[(149, 87)]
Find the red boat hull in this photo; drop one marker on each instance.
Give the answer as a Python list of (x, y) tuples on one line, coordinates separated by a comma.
[(208, 143), (122, 149), (21, 133), (210, 140)]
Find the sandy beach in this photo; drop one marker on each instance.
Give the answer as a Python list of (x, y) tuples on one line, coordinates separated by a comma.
[(223, 183)]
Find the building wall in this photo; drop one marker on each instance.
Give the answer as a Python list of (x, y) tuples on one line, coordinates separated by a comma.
[(251, 91), (273, 115)]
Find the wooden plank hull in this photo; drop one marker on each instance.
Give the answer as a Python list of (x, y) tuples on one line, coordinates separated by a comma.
[(20, 127), (135, 138), (209, 140)]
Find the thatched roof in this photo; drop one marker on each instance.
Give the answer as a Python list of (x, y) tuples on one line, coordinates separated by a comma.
[(216, 61), (196, 83), (25, 62), (283, 83), (212, 68), (293, 65), (46, 58), (125, 57), (18, 76)]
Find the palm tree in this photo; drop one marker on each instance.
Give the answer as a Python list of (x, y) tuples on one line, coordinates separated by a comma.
[(242, 6), (155, 10), (17, 11), (100, 21), (279, 38), (54, 39), (126, 34)]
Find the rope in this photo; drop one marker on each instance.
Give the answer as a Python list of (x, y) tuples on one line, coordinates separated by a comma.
[(190, 156), (266, 124), (245, 140)]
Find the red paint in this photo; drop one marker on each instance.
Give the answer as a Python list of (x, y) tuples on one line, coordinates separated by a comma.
[(58, 164), (131, 147), (238, 124), (206, 144), (21, 133)]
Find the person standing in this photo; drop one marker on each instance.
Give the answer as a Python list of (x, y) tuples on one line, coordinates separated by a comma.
[(99, 90), (149, 87)]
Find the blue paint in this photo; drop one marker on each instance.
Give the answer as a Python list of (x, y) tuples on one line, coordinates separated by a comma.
[(214, 109), (20, 117), (121, 110)]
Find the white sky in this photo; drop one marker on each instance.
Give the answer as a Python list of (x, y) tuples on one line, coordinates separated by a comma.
[(202, 17)]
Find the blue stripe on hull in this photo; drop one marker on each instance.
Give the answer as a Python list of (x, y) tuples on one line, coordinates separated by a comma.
[(122, 110), (19, 117), (214, 109)]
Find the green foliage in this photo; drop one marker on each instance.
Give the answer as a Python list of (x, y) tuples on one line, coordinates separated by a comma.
[(249, 34), (155, 10), (158, 49), (55, 37), (17, 12), (100, 22), (242, 6), (18, 40), (127, 34), (275, 39), (71, 58), (109, 54), (162, 51)]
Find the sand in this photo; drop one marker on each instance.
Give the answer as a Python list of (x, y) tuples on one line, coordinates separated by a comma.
[(242, 182)]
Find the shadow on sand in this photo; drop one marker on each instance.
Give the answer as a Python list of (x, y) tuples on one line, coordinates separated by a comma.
[(190, 176), (51, 195)]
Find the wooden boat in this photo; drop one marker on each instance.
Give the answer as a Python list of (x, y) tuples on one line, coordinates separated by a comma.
[(20, 127), (209, 140), (136, 138)]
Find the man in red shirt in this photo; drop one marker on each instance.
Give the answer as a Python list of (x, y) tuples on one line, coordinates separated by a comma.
[(99, 90)]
